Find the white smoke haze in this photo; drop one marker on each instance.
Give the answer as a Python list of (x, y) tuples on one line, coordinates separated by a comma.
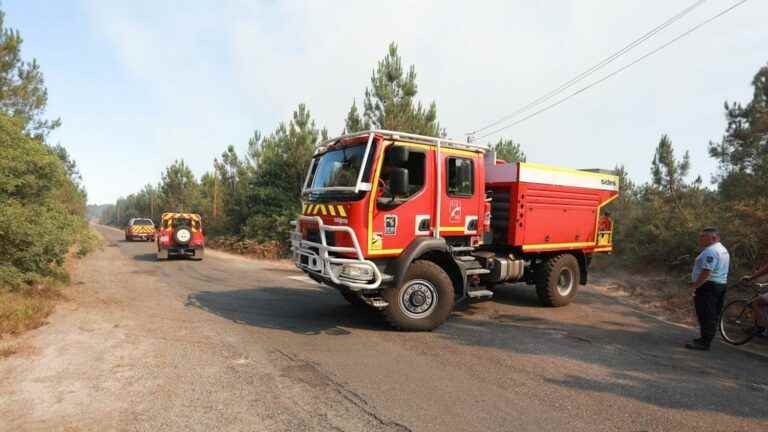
[(213, 73)]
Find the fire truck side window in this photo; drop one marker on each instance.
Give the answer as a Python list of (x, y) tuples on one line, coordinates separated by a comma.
[(460, 175), (416, 166)]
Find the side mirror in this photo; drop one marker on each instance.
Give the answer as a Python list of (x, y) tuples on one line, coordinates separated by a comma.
[(398, 155), (398, 182)]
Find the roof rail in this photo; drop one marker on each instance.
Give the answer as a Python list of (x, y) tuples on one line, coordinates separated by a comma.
[(445, 142)]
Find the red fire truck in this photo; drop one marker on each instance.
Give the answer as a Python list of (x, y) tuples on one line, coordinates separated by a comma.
[(411, 225)]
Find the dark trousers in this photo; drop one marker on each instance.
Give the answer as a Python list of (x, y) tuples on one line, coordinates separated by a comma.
[(709, 303)]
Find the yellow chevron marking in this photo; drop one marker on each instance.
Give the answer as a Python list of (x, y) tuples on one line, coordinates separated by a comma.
[(342, 212), (331, 210), (303, 209), (193, 216), (322, 209)]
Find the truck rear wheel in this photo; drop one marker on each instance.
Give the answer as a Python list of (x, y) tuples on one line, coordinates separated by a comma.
[(424, 300), (558, 280)]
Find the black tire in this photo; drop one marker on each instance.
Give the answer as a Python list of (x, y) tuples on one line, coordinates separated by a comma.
[(424, 281), (557, 280), (199, 255), (182, 236), (737, 323), (353, 298)]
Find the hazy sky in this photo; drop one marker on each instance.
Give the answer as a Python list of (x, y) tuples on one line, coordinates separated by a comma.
[(141, 83)]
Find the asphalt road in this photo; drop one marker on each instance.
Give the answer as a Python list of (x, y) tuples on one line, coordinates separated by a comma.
[(234, 344)]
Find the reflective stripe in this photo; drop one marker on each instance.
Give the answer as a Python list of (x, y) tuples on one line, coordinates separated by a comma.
[(548, 246)]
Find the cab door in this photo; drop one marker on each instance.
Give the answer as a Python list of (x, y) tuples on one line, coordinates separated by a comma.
[(462, 193), (396, 219)]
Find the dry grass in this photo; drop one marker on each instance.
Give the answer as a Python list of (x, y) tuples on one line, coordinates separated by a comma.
[(662, 295), (25, 308), (272, 250), (7, 351)]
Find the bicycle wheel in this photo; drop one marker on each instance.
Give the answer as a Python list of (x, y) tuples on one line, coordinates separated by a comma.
[(737, 322)]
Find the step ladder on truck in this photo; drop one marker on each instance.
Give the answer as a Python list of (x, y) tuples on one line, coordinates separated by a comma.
[(410, 225)]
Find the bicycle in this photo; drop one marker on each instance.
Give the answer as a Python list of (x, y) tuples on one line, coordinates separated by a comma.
[(738, 324)]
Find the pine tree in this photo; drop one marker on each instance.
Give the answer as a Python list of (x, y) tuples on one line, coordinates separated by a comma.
[(254, 149), (23, 95), (508, 150), (275, 191), (355, 123), (286, 153), (179, 188), (742, 153), (389, 102), (666, 172)]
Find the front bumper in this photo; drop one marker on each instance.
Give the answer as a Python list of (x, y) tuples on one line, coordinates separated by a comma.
[(316, 259)]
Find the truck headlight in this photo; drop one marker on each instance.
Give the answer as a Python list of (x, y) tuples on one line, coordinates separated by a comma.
[(357, 272)]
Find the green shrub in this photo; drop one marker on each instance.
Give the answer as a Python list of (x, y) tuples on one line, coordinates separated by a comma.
[(41, 213), (88, 242)]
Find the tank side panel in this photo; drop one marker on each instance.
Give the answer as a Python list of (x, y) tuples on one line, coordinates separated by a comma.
[(558, 214), (559, 209)]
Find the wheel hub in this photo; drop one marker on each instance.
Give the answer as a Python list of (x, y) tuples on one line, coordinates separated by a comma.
[(565, 282), (418, 299)]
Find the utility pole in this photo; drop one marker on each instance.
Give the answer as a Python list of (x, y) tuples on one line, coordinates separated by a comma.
[(215, 191), (117, 213)]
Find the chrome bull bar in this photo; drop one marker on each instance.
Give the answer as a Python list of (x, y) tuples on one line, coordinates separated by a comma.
[(319, 261)]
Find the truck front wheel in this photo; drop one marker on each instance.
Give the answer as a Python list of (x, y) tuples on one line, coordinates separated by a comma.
[(424, 300), (558, 280)]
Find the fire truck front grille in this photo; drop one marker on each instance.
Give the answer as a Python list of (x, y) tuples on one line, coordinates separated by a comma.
[(313, 235)]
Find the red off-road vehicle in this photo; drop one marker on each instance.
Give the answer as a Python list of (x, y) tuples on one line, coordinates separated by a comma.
[(180, 234), (410, 225)]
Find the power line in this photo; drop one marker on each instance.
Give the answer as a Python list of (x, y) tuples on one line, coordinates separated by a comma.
[(616, 72), (601, 64)]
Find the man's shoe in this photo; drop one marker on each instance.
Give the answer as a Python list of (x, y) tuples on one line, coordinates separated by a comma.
[(698, 345)]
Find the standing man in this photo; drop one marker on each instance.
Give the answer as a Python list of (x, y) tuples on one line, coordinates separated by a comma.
[(708, 279)]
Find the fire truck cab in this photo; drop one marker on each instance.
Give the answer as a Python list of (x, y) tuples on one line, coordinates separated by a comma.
[(410, 225)]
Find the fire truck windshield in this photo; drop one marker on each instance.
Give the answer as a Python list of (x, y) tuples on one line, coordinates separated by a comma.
[(337, 169)]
